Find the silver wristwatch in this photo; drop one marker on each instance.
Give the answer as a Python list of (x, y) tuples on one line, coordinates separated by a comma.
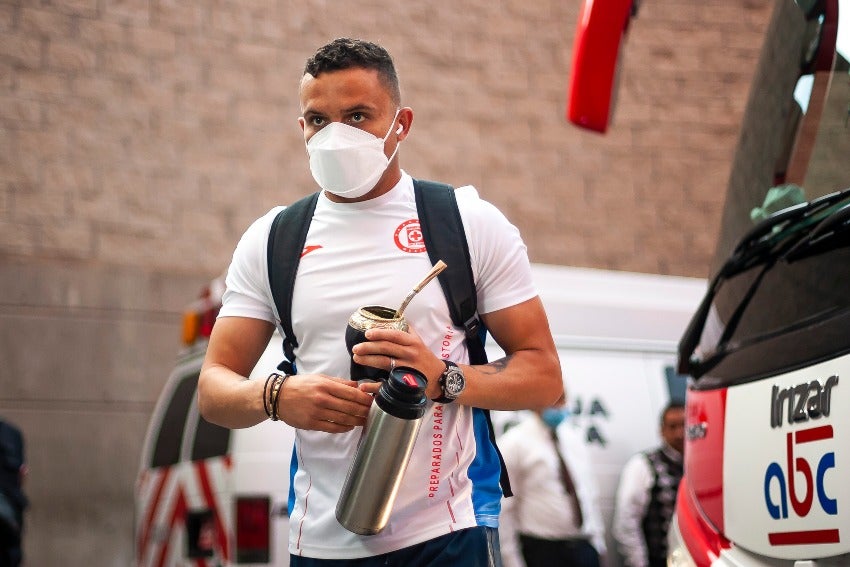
[(452, 383)]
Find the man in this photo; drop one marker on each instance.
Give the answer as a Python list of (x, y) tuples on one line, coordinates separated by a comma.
[(553, 518), (646, 496), (353, 124), (13, 502)]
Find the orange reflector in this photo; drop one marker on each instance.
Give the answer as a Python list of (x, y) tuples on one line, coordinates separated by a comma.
[(191, 326)]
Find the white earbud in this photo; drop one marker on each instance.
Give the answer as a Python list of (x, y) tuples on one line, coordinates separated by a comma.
[(400, 129)]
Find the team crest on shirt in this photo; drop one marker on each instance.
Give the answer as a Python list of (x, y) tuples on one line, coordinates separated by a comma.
[(408, 236)]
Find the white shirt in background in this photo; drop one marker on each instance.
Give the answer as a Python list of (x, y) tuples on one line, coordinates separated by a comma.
[(540, 506)]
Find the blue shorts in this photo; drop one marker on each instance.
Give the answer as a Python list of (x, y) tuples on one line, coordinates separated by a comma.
[(472, 547)]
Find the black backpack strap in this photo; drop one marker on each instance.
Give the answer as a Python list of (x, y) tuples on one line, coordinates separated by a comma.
[(436, 206), (445, 239), (286, 242)]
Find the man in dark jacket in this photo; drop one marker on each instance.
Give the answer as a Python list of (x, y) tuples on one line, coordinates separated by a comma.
[(646, 495), (12, 498)]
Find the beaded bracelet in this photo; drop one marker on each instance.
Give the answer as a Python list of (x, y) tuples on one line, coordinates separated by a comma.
[(270, 402), (274, 396), (277, 396), (265, 393)]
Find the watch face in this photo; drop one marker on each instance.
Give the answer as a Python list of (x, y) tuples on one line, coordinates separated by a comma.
[(454, 382)]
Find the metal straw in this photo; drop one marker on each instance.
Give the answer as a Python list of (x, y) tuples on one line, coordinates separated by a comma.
[(435, 271)]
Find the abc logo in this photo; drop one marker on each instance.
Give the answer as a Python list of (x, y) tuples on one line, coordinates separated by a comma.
[(786, 483)]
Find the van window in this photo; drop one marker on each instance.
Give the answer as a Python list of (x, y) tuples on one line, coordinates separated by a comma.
[(210, 440), (167, 448)]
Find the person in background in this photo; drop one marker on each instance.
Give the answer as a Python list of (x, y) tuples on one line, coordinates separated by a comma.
[(553, 519), (13, 502), (364, 248), (646, 495)]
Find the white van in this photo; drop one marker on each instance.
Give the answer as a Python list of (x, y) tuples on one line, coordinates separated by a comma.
[(617, 335), (207, 495), (205, 492)]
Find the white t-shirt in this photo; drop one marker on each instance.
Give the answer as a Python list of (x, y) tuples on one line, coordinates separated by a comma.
[(372, 253), (540, 506)]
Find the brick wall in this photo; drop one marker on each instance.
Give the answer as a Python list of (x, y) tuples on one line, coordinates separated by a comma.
[(150, 133), (139, 138)]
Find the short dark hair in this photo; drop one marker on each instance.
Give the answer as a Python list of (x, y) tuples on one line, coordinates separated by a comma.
[(674, 405), (346, 53)]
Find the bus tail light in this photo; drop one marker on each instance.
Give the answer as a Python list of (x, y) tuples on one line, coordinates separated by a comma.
[(702, 540)]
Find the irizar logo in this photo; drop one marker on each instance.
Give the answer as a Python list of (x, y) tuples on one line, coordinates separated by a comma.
[(808, 460), (806, 401)]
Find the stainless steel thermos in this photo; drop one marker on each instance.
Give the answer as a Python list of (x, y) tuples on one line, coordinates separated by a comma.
[(375, 474)]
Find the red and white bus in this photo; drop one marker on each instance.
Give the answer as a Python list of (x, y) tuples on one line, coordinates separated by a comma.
[(768, 413), (768, 409)]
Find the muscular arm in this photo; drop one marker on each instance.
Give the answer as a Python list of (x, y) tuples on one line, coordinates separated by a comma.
[(312, 401), (225, 396), (528, 377)]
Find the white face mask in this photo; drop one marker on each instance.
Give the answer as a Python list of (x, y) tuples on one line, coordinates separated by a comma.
[(348, 161)]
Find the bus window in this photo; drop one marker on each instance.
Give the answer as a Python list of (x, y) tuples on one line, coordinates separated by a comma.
[(794, 135)]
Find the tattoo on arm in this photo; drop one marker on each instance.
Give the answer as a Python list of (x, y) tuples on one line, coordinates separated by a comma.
[(497, 366)]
